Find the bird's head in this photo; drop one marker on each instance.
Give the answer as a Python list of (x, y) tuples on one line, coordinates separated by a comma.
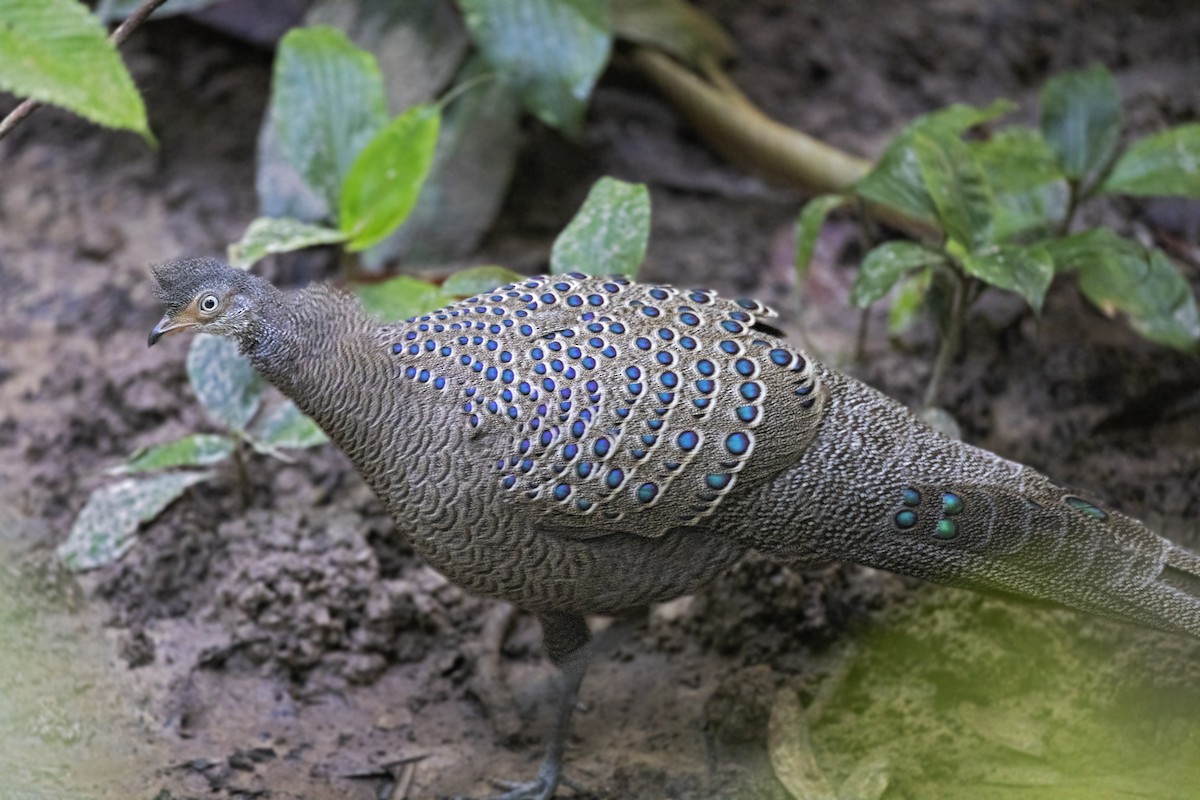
[(208, 296)]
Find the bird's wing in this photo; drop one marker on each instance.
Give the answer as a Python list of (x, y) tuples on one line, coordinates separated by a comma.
[(622, 406)]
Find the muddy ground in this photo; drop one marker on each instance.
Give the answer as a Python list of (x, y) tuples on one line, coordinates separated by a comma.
[(288, 644)]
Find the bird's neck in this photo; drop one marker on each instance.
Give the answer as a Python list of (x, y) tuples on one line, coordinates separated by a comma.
[(320, 348)]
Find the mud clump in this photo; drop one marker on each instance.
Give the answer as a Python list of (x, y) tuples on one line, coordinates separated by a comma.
[(305, 588)]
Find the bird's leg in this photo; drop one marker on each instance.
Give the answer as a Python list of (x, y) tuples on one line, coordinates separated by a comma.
[(568, 644)]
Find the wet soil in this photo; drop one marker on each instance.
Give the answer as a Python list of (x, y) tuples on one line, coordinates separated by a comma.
[(281, 640)]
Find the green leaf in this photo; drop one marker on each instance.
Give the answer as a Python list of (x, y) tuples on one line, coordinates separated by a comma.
[(675, 26), (56, 52), (957, 186), (908, 301), (1016, 159), (808, 228), (1119, 276), (228, 386), (327, 102), (196, 450), (550, 51), (1081, 118), (401, 298), (1027, 271), (106, 527), (609, 233), (287, 427), (384, 181), (267, 235), (885, 265), (896, 180), (1166, 163), (479, 280), (472, 170), (1029, 189), (418, 44)]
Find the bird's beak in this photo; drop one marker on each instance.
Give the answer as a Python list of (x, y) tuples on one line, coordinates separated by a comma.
[(166, 326)]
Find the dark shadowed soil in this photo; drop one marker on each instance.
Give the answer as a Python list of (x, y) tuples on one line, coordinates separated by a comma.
[(281, 640)]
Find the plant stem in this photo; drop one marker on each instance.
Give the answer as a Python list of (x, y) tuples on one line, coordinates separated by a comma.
[(131, 23), (741, 132), (1072, 207), (950, 340)]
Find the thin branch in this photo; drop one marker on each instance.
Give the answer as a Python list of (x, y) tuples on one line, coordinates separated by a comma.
[(131, 23)]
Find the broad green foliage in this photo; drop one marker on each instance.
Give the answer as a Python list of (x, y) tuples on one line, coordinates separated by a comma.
[(226, 384), (477, 280), (56, 52), (475, 161), (1026, 271), (1165, 163), (609, 233), (195, 450), (105, 528), (550, 51), (383, 183), (328, 134), (286, 427), (896, 180), (267, 235), (885, 265), (401, 297), (327, 102), (231, 392), (1005, 202), (1118, 275), (1081, 119), (956, 185), (808, 227)]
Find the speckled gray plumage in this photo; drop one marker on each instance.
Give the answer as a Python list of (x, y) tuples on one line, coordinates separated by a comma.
[(588, 445), (454, 446)]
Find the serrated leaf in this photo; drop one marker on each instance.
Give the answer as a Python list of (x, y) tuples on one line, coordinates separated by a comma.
[(472, 169), (896, 180), (1081, 118), (908, 301), (609, 233), (808, 228), (327, 102), (228, 386), (884, 266), (1118, 275), (287, 427), (401, 298), (1027, 271), (107, 526), (267, 235), (1166, 163), (383, 183), (56, 52), (196, 450), (550, 51), (676, 26), (957, 187), (478, 280)]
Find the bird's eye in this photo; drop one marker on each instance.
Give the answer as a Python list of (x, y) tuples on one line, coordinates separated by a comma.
[(208, 304)]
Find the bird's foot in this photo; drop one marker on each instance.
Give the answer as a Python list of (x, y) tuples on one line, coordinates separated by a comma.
[(540, 788)]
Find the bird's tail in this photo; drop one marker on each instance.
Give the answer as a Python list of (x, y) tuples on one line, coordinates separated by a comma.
[(880, 488), (1032, 538)]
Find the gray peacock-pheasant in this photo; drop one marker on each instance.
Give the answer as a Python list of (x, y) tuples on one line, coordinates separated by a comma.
[(582, 445)]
